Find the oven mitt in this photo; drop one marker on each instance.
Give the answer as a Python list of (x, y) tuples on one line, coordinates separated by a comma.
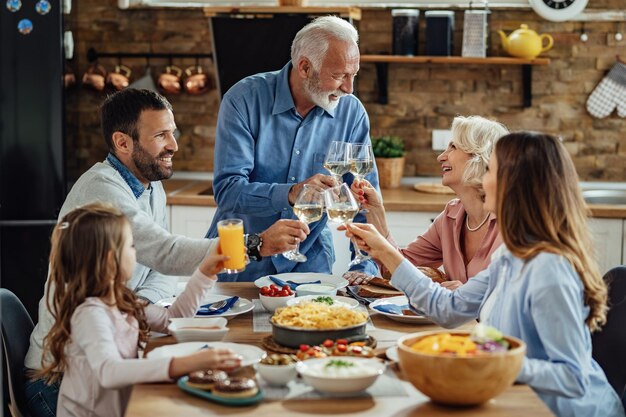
[(609, 94)]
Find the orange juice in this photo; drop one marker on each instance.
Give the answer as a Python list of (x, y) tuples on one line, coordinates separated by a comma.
[(230, 232)]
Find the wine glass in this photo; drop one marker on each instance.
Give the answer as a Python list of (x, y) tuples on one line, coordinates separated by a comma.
[(336, 161), (361, 160), (309, 208), (341, 207)]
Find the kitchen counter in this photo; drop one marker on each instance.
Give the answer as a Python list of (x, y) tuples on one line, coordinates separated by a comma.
[(196, 192)]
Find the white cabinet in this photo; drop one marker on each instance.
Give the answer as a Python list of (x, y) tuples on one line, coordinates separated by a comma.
[(191, 221), (404, 227), (624, 243), (608, 241)]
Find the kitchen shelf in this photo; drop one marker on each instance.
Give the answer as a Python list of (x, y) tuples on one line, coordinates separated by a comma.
[(382, 62), (353, 13)]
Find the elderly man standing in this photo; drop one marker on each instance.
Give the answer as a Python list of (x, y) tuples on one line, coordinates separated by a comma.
[(273, 132)]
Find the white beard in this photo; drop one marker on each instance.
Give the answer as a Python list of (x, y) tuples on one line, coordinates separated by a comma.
[(320, 97)]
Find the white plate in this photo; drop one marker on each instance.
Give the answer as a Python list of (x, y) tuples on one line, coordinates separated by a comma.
[(250, 354), (188, 329), (335, 280), (339, 301), (392, 353), (243, 305), (399, 301)]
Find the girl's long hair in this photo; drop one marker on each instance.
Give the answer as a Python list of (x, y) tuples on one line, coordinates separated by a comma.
[(85, 261), (541, 209)]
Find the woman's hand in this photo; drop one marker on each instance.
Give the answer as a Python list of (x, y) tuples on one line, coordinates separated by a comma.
[(371, 241), (451, 285), (370, 200), (213, 262)]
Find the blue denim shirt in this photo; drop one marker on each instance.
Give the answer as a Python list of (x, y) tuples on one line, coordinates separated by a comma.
[(135, 185), (263, 148), (540, 301)]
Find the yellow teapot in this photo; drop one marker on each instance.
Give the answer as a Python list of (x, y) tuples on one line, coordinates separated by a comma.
[(525, 43)]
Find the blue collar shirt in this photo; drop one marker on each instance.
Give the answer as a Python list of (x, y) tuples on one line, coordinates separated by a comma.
[(263, 148)]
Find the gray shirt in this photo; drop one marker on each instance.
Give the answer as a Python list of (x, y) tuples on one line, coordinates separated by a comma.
[(157, 249)]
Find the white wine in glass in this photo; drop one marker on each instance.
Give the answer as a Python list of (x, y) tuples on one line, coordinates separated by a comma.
[(361, 160), (341, 207), (336, 161), (309, 208)]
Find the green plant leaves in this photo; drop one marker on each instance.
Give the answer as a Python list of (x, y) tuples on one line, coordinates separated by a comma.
[(388, 147)]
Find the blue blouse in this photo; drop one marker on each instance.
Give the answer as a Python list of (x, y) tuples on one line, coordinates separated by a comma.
[(263, 148), (541, 302)]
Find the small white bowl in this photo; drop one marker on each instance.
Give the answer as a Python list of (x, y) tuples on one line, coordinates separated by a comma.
[(277, 375), (313, 372), (198, 329), (272, 303), (338, 301), (316, 289)]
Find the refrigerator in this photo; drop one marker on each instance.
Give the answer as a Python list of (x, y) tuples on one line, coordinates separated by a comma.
[(32, 168)]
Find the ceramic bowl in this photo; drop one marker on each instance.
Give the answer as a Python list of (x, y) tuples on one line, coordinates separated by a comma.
[(277, 375), (198, 329), (457, 380), (361, 376), (316, 289), (272, 303)]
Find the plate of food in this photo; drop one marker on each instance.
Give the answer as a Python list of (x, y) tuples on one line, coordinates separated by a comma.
[(249, 354), (227, 391), (298, 278), (331, 300), (243, 305), (397, 308)]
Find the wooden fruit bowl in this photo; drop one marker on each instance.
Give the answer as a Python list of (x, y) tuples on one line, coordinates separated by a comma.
[(460, 380)]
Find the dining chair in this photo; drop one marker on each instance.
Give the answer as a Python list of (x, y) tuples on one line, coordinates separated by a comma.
[(609, 344), (16, 329)]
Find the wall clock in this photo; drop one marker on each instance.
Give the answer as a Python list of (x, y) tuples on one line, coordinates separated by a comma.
[(558, 10)]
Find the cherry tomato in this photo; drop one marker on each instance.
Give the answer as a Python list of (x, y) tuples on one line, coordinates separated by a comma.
[(342, 348), (304, 348), (265, 290), (272, 292), (342, 342), (328, 343), (274, 287), (356, 349), (283, 293), (285, 287)]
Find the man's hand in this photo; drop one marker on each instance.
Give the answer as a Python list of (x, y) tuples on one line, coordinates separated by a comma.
[(283, 236), (319, 180)]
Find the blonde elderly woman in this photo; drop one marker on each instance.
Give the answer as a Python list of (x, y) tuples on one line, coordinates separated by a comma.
[(463, 237)]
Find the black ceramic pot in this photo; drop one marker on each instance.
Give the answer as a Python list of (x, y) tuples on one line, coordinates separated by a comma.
[(293, 337)]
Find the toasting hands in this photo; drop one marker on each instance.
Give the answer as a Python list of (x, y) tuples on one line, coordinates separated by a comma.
[(283, 236)]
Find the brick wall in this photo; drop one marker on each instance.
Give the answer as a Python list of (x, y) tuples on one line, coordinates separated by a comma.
[(421, 97)]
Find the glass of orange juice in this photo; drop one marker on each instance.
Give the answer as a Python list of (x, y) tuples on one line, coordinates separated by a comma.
[(230, 232)]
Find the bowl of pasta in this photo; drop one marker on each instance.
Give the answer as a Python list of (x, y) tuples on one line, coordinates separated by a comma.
[(458, 367), (313, 323)]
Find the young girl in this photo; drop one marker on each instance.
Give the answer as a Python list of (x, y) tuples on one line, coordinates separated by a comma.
[(544, 287), (100, 323)]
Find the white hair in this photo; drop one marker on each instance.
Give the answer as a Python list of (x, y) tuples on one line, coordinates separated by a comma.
[(477, 136), (312, 41)]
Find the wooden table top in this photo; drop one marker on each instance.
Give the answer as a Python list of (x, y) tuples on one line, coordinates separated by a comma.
[(165, 399)]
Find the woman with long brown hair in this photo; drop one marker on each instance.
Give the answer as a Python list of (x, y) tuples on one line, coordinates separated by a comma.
[(100, 323), (543, 286)]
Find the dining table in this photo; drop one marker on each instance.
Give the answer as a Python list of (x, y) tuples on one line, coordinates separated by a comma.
[(167, 399)]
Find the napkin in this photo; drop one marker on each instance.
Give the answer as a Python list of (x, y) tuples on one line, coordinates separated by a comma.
[(204, 309), (392, 308), (292, 285)]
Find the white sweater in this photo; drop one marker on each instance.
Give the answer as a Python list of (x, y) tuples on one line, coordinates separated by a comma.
[(102, 353)]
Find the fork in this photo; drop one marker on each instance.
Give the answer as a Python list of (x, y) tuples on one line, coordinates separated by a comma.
[(216, 305)]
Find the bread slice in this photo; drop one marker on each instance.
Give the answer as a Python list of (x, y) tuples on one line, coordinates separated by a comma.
[(434, 274), (381, 282), (373, 291)]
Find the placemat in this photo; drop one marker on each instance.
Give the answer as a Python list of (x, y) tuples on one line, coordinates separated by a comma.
[(261, 318), (268, 343), (387, 385)]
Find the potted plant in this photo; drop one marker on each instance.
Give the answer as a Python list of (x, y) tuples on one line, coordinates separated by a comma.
[(389, 154)]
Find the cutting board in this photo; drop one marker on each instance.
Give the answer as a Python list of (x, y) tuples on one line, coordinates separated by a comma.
[(432, 188)]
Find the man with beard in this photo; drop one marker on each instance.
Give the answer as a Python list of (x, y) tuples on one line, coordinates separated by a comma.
[(138, 127), (273, 132)]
